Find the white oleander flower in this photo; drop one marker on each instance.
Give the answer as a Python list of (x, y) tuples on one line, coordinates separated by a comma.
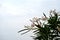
[(53, 11), (35, 19), (58, 29), (44, 18), (50, 11), (30, 27)]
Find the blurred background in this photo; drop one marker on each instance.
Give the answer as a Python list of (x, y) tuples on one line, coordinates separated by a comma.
[(14, 14)]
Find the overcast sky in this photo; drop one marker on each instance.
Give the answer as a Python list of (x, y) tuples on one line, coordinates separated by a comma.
[(14, 14)]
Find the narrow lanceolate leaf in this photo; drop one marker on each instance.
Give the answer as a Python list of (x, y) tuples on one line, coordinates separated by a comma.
[(25, 32), (35, 31), (22, 30), (44, 15)]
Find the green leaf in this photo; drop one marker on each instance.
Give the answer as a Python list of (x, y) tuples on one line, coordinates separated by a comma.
[(22, 30), (25, 32), (44, 15)]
